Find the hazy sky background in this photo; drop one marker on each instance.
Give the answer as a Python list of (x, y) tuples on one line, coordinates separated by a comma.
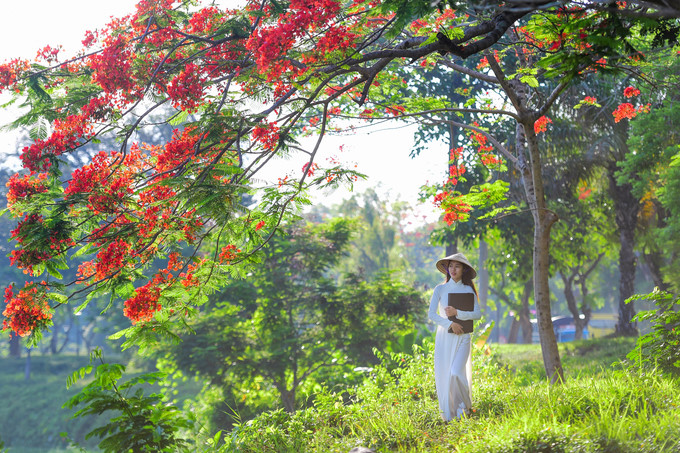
[(382, 153)]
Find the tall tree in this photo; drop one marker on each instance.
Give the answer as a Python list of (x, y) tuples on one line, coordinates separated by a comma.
[(140, 203)]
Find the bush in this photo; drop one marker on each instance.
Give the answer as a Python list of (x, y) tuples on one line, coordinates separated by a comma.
[(137, 422), (661, 346)]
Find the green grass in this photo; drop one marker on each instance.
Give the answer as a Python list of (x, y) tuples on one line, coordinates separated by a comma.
[(34, 407), (604, 406), (600, 408), (579, 358)]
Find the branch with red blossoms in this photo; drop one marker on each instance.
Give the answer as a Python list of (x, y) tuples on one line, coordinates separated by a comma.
[(223, 92)]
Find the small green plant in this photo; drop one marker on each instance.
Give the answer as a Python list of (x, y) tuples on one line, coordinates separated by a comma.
[(661, 346), (139, 423)]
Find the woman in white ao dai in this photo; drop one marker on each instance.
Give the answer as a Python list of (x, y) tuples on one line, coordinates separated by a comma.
[(452, 353)]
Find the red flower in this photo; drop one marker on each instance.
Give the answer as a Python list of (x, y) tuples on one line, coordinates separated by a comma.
[(142, 306), (625, 110), (27, 310), (630, 92), (541, 124), (229, 253), (20, 188), (267, 135)]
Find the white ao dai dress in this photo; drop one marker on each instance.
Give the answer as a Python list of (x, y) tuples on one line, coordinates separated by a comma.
[(452, 354)]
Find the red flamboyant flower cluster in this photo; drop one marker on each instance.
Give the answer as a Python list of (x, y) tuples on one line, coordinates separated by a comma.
[(49, 54), (541, 124), (489, 159), (67, 135), (395, 110), (142, 306), (270, 43), (111, 67), (310, 169), (10, 73), (177, 151), (452, 205), (625, 110), (267, 135), (480, 140), (230, 252), (630, 92), (111, 260), (186, 88), (24, 187), (26, 310)]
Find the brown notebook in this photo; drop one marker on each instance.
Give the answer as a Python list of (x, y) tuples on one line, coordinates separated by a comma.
[(462, 302)]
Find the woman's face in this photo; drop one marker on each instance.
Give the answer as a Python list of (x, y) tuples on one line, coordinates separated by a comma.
[(456, 270)]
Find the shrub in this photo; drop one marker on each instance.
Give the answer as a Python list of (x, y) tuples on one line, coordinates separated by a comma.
[(661, 346)]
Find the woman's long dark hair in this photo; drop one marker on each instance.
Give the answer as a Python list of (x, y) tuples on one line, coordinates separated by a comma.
[(466, 278)]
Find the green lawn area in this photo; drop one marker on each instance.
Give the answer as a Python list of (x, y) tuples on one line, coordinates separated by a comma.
[(604, 406), (600, 408), (34, 407)]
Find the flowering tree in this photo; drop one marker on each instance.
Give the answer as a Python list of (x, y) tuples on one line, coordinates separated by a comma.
[(239, 86)]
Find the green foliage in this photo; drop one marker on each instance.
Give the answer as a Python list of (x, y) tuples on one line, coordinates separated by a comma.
[(661, 346), (137, 422), (271, 339), (396, 410)]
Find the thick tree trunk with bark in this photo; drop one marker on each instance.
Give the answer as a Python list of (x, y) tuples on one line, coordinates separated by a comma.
[(543, 222), (531, 173), (626, 207)]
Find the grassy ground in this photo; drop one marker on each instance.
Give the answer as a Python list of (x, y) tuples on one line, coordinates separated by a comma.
[(604, 406), (33, 408), (600, 408), (585, 357)]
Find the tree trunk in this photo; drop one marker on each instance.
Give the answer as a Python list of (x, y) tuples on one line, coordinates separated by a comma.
[(14, 345), (54, 339), (653, 261), (288, 400), (525, 315), (626, 207), (532, 180), (514, 330), (543, 221), (483, 273), (579, 324), (27, 366)]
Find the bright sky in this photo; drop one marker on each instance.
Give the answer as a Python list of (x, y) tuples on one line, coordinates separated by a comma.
[(383, 154)]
